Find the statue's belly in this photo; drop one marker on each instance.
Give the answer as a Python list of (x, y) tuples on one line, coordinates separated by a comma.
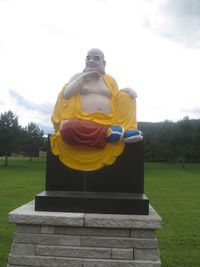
[(95, 102)]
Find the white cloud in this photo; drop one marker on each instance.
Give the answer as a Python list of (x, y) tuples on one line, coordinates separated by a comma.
[(29, 111), (44, 108), (193, 111), (177, 20)]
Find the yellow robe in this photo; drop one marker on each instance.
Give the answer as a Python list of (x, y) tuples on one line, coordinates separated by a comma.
[(90, 158)]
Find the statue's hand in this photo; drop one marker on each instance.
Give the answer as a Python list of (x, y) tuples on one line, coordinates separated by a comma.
[(77, 83), (130, 91), (88, 76)]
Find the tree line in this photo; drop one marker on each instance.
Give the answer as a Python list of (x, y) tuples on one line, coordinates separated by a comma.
[(163, 141), (172, 141), (14, 138)]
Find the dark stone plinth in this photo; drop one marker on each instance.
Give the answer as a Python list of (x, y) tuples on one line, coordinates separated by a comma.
[(125, 175), (118, 188), (93, 202)]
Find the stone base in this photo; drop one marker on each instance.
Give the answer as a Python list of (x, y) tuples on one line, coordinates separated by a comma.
[(58, 239)]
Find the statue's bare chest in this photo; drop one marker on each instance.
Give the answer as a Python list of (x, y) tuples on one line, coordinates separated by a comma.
[(97, 86)]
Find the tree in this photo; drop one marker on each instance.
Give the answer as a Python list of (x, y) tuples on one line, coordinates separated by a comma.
[(31, 139), (166, 141), (9, 134), (44, 144), (185, 140)]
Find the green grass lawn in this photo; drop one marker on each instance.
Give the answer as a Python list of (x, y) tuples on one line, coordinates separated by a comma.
[(173, 192), (19, 183)]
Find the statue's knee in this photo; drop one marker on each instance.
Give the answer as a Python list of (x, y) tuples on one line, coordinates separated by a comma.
[(124, 105), (67, 130)]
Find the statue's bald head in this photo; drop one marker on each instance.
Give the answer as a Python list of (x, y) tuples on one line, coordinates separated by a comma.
[(96, 51), (95, 61)]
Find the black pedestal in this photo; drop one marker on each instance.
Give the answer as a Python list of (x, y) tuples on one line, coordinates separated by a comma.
[(93, 202), (118, 188)]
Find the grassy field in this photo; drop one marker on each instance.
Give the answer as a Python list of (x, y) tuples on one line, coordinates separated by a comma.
[(19, 183), (173, 192)]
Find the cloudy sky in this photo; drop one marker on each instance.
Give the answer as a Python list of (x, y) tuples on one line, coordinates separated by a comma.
[(152, 46)]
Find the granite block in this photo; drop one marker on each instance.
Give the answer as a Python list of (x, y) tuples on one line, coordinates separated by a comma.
[(151, 221), (44, 261), (46, 239), (47, 229), (143, 233), (74, 252), (27, 215), (118, 242), (124, 254), (120, 263), (23, 249), (146, 254), (27, 228), (91, 231)]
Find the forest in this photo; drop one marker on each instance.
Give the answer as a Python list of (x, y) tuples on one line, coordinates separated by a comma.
[(172, 141)]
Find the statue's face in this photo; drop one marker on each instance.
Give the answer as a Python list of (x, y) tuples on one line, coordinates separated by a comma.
[(95, 61)]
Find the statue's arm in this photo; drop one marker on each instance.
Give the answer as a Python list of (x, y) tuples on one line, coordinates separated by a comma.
[(130, 91), (77, 83), (73, 87)]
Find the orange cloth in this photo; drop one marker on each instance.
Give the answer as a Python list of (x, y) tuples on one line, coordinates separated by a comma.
[(85, 157), (84, 132)]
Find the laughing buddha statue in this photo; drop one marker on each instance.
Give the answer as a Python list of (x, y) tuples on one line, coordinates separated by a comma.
[(92, 118)]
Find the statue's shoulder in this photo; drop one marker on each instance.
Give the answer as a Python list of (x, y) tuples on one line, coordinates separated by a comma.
[(74, 77), (111, 83), (109, 77)]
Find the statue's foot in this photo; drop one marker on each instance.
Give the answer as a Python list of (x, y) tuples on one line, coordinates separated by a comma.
[(133, 136), (115, 134)]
